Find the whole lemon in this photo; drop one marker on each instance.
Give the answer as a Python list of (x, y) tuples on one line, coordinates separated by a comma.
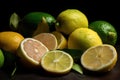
[(9, 40), (70, 19), (83, 38)]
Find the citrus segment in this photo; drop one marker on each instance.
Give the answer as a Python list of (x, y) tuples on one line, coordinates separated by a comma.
[(48, 39), (9, 40), (57, 61), (99, 58), (31, 50), (70, 19), (62, 41), (83, 38)]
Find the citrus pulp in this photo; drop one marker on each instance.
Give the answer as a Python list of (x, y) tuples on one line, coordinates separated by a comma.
[(100, 58), (30, 52), (57, 61)]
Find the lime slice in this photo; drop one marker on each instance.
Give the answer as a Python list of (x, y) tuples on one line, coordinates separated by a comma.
[(57, 61)]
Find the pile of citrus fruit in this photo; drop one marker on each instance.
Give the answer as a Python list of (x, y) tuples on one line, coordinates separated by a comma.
[(53, 44)]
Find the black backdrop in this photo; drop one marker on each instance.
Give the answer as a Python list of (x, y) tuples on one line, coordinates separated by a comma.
[(94, 9)]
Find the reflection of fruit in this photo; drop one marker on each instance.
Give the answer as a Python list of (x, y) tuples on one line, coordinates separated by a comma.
[(105, 30), (57, 61), (1, 58), (29, 23), (83, 38), (99, 58), (62, 41), (30, 52), (48, 39), (9, 41), (70, 19)]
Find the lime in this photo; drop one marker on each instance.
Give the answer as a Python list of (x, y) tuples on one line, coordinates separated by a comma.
[(30, 52), (83, 38), (1, 59), (30, 21), (70, 19), (56, 61), (10, 40), (48, 39), (100, 58), (105, 30)]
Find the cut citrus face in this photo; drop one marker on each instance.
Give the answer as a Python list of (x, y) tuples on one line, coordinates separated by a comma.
[(57, 61), (30, 51), (48, 39), (62, 41), (100, 58)]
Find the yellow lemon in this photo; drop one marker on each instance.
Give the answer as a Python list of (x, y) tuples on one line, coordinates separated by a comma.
[(9, 40), (83, 38), (70, 19), (62, 41), (100, 58)]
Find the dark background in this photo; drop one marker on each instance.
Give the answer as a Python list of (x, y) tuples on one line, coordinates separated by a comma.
[(94, 9)]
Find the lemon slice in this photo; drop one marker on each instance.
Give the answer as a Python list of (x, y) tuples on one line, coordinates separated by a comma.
[(57, 61), (62, 41), (100, 58), (31, 51)]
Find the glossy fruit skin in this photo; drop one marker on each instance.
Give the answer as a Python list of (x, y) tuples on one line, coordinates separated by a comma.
[(1, 59), (105, 30), (83, 38), (70, 19), (30, 22), (10, 40)]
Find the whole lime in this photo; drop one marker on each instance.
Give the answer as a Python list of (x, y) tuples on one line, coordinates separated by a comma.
[(105, 30), (30, 21), (70, 19), (1, 58)]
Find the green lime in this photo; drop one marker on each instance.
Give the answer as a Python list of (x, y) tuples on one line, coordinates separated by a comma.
[(1, 58), (30, 21), (105, 30)]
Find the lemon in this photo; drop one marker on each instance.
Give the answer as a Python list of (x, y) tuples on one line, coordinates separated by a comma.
[(70, 19), (1, 59), (61, 40), (83, 38), (100, 58), (105, 30), (9, 40), (56, 61), (48, 39), (30, 52)]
